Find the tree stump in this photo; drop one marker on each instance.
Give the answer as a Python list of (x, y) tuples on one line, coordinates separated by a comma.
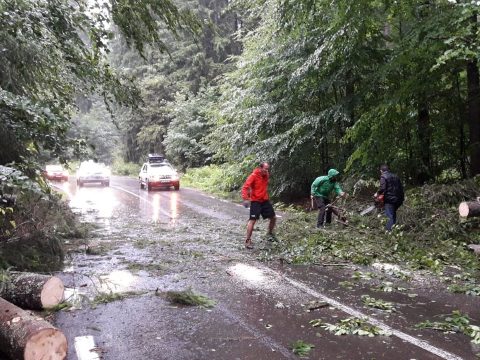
[(32, 291), (25, 336), (469, 209)]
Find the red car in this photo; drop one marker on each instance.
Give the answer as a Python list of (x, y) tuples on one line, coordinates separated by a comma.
[(56, 172)]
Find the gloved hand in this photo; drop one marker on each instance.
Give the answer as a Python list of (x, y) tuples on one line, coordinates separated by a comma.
[(246, 204)]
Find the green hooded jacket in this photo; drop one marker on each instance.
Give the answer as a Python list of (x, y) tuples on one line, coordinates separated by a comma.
[(323, 186)]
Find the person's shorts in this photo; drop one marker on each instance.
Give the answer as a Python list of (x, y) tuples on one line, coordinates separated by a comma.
[(264, 208)]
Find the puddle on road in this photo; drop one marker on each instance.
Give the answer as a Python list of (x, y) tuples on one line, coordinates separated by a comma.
[(94, 205)]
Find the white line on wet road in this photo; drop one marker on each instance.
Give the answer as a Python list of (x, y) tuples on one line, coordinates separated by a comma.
[(85, 348), (351, 311)]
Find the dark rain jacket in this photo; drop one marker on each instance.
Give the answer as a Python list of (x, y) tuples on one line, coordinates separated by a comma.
[(391, 188)]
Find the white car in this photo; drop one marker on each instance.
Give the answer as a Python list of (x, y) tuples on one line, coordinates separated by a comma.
[(91, 172), (156, 175)]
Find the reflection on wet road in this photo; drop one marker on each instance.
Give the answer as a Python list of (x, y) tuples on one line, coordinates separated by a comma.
[(152, 242)]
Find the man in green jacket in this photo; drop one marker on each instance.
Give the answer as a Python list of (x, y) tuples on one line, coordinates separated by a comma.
[(322, 187)]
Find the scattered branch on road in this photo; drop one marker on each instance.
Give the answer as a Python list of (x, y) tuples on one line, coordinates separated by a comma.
[(354, 326), (454, 323), (189, 298), (378, 303), (302, 348)]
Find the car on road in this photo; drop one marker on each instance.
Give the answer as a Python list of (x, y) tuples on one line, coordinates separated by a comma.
[(55, 172), (158, 175), (91, 172)]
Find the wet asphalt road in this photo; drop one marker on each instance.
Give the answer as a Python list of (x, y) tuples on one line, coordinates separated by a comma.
[(146, 243)]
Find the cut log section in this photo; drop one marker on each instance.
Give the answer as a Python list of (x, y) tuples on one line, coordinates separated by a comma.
[(25, 336), (469, 209), (32, 291), (475, 248)]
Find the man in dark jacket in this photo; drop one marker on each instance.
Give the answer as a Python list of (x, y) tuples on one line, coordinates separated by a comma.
[(392, 190), (255, 191)]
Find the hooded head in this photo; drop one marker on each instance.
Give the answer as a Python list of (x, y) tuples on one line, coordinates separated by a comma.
[(333, 173)]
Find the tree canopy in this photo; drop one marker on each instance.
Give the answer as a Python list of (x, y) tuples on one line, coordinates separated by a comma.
[(306, 85), (52, 52)]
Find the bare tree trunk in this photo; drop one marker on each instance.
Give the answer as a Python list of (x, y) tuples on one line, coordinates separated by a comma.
[(424, 138), (461, 128), (474, 116), (32, 291), (29, 337), (473, 87)]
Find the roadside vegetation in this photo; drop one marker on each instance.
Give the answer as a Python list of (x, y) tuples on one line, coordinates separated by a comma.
[(34, 225), (221, 180)]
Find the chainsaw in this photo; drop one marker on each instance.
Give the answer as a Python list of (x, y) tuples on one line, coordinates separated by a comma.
[(379, 202)]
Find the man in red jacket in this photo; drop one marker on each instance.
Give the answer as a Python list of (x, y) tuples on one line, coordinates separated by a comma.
[(255, 191)]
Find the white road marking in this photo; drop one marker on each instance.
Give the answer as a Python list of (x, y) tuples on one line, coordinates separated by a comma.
[(351, 311), (85, 348)]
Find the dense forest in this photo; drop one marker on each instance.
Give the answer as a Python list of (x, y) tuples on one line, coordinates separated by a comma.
[(303, 84)]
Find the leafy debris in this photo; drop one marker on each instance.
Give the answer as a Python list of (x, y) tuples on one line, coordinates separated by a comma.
[(354, 326), (301, 348), (388, 286), (468, 289), (454, 323), (378, 303), (189, 298)]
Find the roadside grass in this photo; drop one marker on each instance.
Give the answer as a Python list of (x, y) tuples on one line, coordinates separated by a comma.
[(120, 167), (430, 237), (189, 298), (224, 181)]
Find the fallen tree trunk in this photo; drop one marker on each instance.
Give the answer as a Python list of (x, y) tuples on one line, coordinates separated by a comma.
[(28, 337), (469, 209), (32, 291), (475, 248)]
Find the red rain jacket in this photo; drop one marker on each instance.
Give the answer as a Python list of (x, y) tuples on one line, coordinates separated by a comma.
[(255, 187)]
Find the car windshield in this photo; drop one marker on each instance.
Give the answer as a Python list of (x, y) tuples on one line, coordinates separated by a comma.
[(92, 167), (161, 168)]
